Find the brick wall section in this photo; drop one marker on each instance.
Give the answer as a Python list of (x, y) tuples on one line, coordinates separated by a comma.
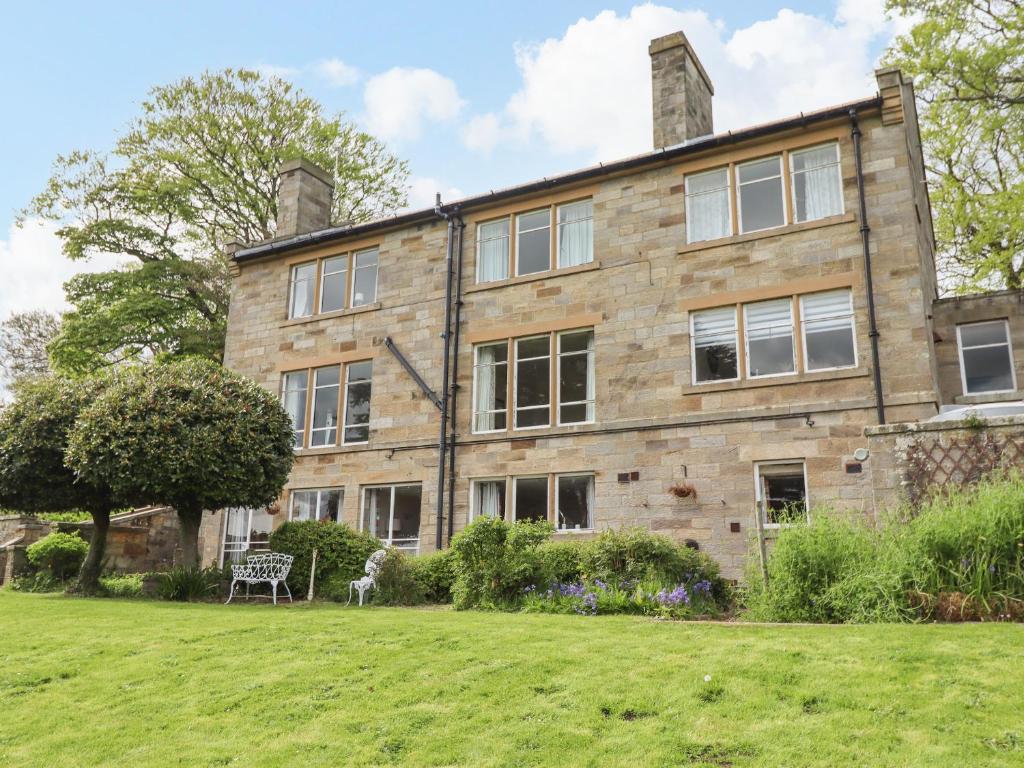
[(1003, 305), (637, 295)]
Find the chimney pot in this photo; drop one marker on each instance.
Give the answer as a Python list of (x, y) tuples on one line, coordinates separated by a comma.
[(681, 91), (304, 198)]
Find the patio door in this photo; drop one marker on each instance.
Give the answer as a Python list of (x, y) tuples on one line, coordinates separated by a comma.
[(392, 514)]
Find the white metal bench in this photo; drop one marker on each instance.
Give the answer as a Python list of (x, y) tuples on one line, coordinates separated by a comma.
[(369, 581), (270, 568)]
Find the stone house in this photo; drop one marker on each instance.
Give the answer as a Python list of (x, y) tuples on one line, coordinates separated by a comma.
[(666, 340)]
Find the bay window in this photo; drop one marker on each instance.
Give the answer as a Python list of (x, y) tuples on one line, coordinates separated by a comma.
[(714, 345), (769, 334), (817, 182), (828, 332), (707, 205), (986, 357)]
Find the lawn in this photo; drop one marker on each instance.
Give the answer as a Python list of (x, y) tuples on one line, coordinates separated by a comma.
[(106, 682)]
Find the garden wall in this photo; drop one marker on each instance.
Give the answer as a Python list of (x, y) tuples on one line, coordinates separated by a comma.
[(907, 460)]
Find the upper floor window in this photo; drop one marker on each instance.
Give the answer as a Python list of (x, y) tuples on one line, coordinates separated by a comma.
[(817, 182), (534, 404), (320, 504), (827, 329), (986, 357), (707, 205), (333, 283), (815, 189), (554, 237), (314, 398)]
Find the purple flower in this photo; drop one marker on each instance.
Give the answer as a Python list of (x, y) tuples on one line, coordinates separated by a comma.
[(571, 590), (529, 589), (703, 586), (677, 596), (589, 606), (600, 584)]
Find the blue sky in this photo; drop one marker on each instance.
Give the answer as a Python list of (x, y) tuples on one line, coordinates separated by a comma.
[(475, 95)]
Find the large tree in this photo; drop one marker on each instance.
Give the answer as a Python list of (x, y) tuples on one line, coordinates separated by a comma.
[(196, 170), (24, 337), (967, 58), (34, 433), (188, 434)]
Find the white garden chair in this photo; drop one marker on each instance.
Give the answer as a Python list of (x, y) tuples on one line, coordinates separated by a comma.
[(269, 568), (369, 581)]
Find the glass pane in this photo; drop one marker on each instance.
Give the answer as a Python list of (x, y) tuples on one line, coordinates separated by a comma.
[(491, 387), (533, 251), (357, 412), (575, 234), (988, 369), (714, 342), (236, 534), (769, 327), (575, 498), (761, 205), (492, 251), (707, 216), (829, 346), (406, 529), (711, 181), (294, 401), (978, 334), (366, 258), (531, 498), (303, 504), (261, 524), (332, 287), (489, 498), (817, 193), (362, 371), (815, 158), (784, 493), (577, 341), (576, 413), (301, 299), (760, 169), (376, 511), (536, 220), (715, 362), (329, 507), (538, 346), (364, 279), (816, 306), (573, 378), (325, 407), (533, 383)]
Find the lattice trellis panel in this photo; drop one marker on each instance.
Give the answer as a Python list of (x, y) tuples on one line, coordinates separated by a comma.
[(931, 462)]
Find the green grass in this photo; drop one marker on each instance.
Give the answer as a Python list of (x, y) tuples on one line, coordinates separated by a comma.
[(118, 683)]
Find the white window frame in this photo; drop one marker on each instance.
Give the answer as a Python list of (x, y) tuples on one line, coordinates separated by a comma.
[(476, 367), (376, 277), (319, 492), (746, 342), (515, 494), (592, 371), (515, 385), (792, 180), (728, 195), (474, 513), (558, 479), (558, 230), (324, 274), (739, 194), (803, 333), (693, 348), (343, 397), (390, 540), (291, 288), (248, 534), (758, 485), (518, 216), (312, 407), (480, 239), (1009, 351)]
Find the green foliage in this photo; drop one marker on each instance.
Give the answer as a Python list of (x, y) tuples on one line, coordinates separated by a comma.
[(495, 561), (122, 585), (59, 554), (23, 340), (188, 584), (647, 598), (960, 556), (341, 555), (396, 581), (196, 170), (560, 561), (189, 434), (967, 61), (37, 582), (435, 574)]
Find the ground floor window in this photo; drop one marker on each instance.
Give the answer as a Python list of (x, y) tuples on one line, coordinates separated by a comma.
[(317, 504), (782, 489), (245, 530), (566, 499), (575, 502), (392, 514), (531, 498), (488, 498)]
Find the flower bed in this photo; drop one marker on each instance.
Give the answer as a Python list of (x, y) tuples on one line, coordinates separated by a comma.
[(684, 600)]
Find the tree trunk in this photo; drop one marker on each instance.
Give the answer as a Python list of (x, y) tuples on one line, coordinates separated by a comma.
[(190, 519), (89, 575)]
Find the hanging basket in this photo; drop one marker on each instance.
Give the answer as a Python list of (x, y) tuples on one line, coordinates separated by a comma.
[(683, 491)]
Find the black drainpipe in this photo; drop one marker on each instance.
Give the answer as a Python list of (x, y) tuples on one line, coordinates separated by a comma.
[(442, 440), (461, 226), (865, 233)]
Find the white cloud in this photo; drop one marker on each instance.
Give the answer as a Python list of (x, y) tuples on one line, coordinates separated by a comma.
[(423, 190), (34, 269), (399, 101), (590, 91), (336, 72)]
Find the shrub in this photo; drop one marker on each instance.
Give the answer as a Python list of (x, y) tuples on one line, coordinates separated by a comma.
[(341, 553), (561, 561), (126, 585), (396, 581), (435, 573), (188, 584), (599, 597), (495, 560), (37, 582), (59, 554)]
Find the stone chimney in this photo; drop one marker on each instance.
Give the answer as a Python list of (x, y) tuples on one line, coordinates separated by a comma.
[(682, 91), (304, 196)]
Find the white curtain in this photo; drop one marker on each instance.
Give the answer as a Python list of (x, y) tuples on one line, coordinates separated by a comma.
[(576, 234), (302, 297), (707, 206), (378, 502), (591, 379), (488, 497), (485, 389), (817, 183), (492, 251)]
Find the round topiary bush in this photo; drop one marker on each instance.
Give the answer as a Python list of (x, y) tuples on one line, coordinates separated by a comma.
[(60, 554), (341, 552)]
